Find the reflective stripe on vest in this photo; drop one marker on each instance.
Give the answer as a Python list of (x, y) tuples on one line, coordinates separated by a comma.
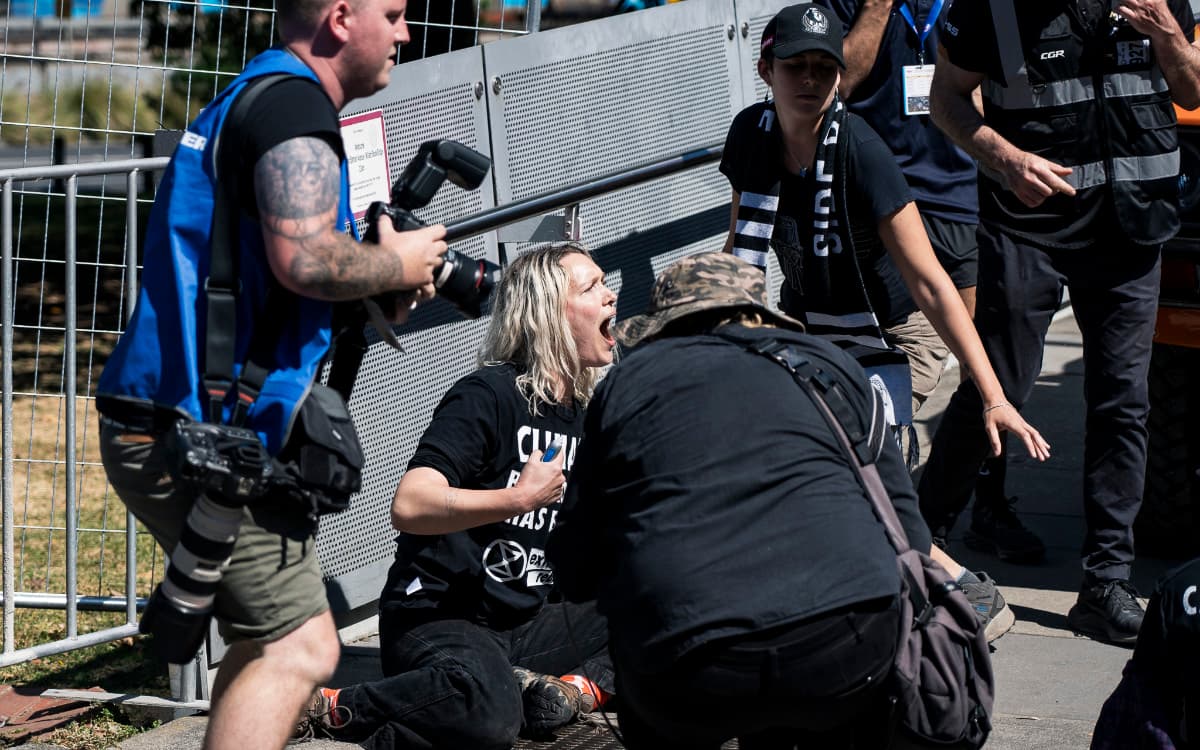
[(1125, 169), (1021, 95)]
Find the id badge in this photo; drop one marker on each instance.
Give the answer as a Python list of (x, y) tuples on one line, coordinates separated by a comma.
[(918, 79)]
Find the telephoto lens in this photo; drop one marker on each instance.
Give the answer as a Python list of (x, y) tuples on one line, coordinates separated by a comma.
[(180, 608), (466, 282)]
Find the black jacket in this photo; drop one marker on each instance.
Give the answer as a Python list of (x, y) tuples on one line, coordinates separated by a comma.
[(711, 499)]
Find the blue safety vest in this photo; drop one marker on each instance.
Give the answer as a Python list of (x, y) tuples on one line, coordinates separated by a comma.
[(160, 358)]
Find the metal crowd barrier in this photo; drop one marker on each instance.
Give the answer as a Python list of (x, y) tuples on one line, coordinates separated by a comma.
[(70, 600)]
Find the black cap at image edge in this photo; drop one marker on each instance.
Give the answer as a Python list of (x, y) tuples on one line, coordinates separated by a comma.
[(803, 28)]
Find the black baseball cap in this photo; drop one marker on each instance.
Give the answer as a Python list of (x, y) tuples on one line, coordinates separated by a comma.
[(801, 28)]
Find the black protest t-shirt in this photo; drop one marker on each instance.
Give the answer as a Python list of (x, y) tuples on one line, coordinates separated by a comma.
[(875, 189), (481, 435)]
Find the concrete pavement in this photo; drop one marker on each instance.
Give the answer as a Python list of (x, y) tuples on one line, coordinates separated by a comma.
[(1050, 684)]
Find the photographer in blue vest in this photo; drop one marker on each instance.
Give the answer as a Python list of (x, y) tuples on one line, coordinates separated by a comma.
[(1078, 188), (278, 161)]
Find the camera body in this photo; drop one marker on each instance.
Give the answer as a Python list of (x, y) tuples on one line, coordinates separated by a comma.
[(228, 463), (463, 281), (228, 468)]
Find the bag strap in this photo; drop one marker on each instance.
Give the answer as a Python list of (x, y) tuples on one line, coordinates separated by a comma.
[(222, 287), (860, 447)]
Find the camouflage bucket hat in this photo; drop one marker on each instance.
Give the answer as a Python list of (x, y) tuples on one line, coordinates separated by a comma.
[(705, 281)]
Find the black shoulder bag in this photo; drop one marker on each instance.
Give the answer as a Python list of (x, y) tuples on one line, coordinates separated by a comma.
[(942, 682)]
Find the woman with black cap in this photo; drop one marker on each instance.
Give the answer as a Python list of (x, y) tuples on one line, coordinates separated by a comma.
[(815, 184)]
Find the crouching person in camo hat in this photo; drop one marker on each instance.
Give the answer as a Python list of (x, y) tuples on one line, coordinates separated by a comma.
[(708, 514)]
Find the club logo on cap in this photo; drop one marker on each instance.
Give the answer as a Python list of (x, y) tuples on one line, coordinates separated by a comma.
[(814, 21)]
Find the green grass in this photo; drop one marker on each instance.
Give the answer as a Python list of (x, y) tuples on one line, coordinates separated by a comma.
[(39, 487), (99, 731), (39, 462), (39, 491), (96, 109)]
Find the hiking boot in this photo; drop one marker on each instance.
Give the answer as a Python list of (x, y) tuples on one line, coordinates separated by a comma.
[(1108, 612), (547, 702), (321, 716), (995, 614), (995, 529)]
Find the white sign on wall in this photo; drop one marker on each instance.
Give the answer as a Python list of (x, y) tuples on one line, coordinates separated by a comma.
[(366, 155)]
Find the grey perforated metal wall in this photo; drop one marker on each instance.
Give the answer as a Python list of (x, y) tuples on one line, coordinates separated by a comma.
[(581, 102), (753, 16), (395, 392)]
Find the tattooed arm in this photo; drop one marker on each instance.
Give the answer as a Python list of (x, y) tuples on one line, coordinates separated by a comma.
[(297, 184)]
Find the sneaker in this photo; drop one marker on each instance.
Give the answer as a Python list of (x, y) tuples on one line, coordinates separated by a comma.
[(547, 702), (321, 716), (995, 529), (993, 611), (1108, 612), (594, 696)]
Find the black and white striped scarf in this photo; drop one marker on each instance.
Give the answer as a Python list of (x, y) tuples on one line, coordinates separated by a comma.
[(826, 272)]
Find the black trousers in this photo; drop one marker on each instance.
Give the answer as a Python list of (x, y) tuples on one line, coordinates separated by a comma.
[(1114, 294), (815, 684), (449, 685)]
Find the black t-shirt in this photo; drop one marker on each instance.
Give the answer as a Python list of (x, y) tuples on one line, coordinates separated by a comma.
[(941, 175), (291, 107), (711, 498), (480, 437), (875, 190)]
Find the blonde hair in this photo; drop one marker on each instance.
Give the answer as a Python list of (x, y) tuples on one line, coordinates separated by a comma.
[(529, 328)]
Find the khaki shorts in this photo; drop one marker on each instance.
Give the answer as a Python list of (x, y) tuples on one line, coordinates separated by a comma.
[(272, 584), (927, 354)]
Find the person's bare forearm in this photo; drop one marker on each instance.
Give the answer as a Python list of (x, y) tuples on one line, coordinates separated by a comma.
[(1178, 59), (426, 508), (957, 115), (943, 307), (861, 45), (298, 187), (1183, 77), (1180, 64), (426, 503)]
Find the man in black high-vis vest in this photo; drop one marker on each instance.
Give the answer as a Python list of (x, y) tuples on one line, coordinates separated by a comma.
[(1078, 189)]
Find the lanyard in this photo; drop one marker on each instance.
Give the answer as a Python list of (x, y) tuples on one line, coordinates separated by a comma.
[(934, 11)]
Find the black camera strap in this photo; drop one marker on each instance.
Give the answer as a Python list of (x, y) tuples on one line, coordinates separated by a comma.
[(222, 286)]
